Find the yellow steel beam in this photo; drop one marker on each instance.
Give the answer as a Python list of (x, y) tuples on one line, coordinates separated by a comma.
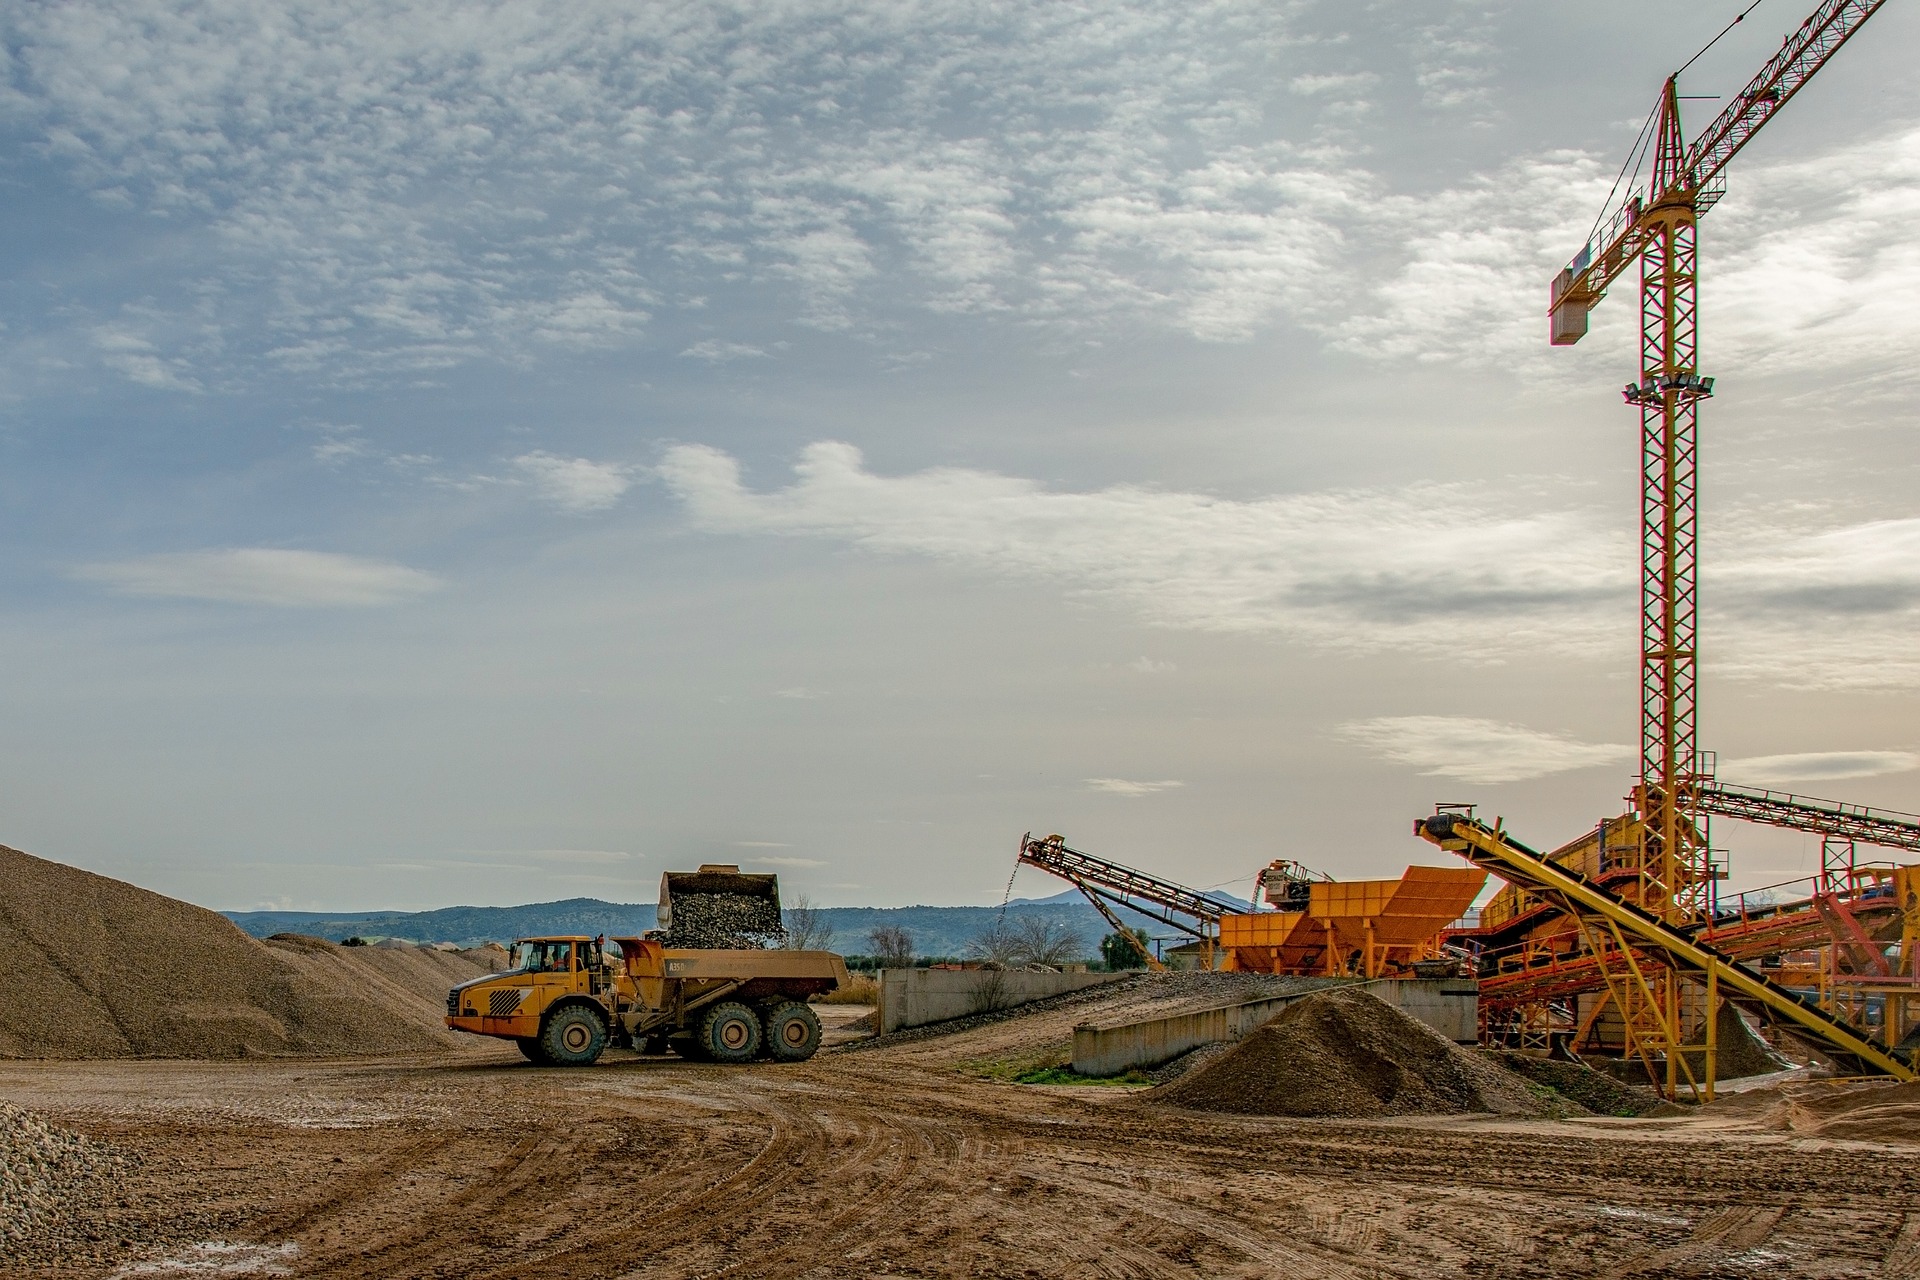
[(1153, 961), (1484, 846)]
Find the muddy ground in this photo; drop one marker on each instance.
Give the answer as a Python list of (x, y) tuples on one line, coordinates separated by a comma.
[(895, 1161)]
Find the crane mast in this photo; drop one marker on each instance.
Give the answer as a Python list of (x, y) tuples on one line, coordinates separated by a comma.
[(1657, 226)]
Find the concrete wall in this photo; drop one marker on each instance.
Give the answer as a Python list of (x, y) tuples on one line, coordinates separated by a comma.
[(1449, 1006), (915, 997)]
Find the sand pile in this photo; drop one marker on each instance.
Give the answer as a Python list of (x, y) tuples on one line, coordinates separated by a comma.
[(1739, 1052), (1860, 1113), (42, 1171), (101, 969), (1348, 1053)]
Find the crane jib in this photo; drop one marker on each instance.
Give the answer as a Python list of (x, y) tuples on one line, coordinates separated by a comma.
[(1699, 170)]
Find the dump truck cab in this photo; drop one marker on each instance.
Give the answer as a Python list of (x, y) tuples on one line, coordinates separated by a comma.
[(565, 997)]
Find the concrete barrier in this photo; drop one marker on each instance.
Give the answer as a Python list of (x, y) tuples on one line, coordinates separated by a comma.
[(916, 997), (1449, 1006)]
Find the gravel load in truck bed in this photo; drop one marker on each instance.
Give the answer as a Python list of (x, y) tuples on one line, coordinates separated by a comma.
[(725, 921)]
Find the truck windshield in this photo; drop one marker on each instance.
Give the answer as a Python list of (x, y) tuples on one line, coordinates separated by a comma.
[(543, 957)]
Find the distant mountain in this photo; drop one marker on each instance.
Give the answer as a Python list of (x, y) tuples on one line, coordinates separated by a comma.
[(468, 926), (937, 931)]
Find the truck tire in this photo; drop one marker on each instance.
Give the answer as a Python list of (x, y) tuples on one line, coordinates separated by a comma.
[(793, 1032), (530, 1050), (729, 1032), (573, 1036)]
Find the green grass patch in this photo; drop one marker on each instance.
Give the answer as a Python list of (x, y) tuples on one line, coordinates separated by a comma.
[(1051, 1066), (1067, 1075)]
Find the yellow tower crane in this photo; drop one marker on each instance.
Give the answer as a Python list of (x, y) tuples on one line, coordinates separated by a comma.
[(1655, 225)]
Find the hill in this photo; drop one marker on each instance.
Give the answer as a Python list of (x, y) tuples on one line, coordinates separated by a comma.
[(937, 931)]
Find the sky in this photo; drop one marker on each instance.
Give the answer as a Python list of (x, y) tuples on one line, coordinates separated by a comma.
[(488, 453)]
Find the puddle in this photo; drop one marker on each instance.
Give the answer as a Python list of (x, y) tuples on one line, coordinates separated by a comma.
[(219, 1258)]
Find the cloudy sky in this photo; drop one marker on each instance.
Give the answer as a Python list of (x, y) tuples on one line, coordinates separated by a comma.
[(455, 452)]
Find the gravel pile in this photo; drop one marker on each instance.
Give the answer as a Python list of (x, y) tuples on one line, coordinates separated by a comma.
[(1596, 1091), (725, 921), (1191, 1060), (44, 1170), (1347, 1053), (101, 969)]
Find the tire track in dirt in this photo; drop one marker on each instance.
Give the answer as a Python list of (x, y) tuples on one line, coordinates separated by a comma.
[(674, 1215), (503, 1180), (1230, 1234), (1903, 1258), (355, 1187), (1713, 1237)]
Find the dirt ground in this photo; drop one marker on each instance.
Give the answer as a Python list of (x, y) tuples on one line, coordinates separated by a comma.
[(890, 1161)]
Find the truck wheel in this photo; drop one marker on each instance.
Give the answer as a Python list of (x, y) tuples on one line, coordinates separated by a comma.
[(530, 1050), (573, 1037), (729, 1032), (793, 1032)]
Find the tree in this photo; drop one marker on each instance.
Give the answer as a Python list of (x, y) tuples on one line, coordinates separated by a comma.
[(1123, 951), (998, 943), (891, 946), (807, 928), (1045, 941)]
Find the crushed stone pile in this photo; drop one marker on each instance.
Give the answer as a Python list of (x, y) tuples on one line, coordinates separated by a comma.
[(725, 921), (98, 968), (1860, 1113), (43, 1170), (1346, 1053)]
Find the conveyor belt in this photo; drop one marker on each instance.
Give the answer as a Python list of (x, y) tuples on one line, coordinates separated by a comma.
[(1806, 813), (1513, 862)]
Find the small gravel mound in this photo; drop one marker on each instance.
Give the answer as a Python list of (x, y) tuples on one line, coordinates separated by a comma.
[(1580, 1084), (1347, 1053), (42, 1171)]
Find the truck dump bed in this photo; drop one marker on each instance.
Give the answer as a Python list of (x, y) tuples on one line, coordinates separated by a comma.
[(720, 908)]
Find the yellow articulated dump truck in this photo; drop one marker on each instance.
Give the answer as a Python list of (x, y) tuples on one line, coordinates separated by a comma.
[(566, 997)]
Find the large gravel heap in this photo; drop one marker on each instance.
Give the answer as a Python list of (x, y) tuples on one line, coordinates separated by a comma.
[(1348, 1053), (42, 1170), (725, 921), (100, 969)]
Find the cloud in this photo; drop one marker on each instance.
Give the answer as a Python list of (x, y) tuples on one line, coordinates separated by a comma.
[(760, 844), (355, 200), (1816, 766), (1479, 751), (716, 352), (263, 575), (575, 484), (799, 693), (584, 855), (1125, 787), (1425, 568), (1812, 607), (796, 864)]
